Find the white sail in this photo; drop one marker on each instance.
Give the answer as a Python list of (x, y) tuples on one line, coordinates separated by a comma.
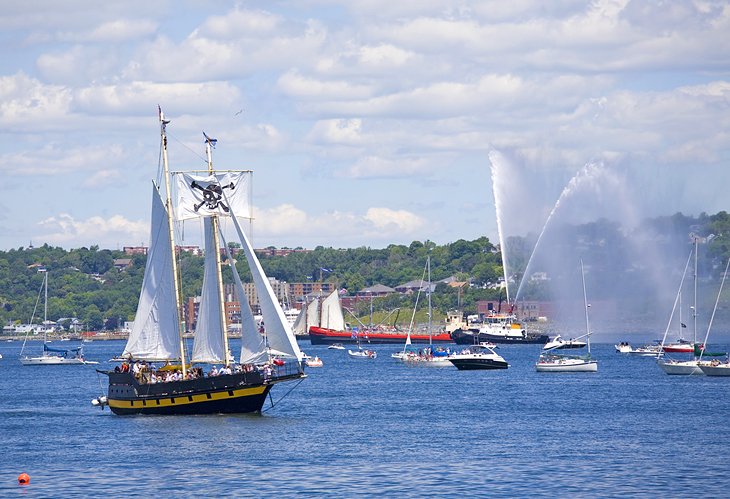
[(155, 334), (313, 313), (215, 194), (301, 326), (208, 343), (331, 317), (278, 332)]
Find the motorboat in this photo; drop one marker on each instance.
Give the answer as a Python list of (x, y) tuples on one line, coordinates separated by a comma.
[(362, 354), (498, 328), (479, 356), (652, 350), (428, 357), (314, 362), (566, 363), (680, 346), (336, 346), (559, 343)]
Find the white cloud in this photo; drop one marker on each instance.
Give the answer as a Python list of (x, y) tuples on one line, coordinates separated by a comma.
[(66, 230), (295, 85), (382, 224)]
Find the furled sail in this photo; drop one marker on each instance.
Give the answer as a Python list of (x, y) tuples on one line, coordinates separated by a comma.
[(332, 317), (209, 329), (155, 334), (278, 333), (215, 194)]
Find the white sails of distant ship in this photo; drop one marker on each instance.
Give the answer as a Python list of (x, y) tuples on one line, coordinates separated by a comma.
[(327, 314)]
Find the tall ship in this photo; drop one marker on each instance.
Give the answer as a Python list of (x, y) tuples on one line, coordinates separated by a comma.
[(326, 325), (159, 375), (498, 328)]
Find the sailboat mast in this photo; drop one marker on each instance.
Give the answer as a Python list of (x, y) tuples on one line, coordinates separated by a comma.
[(428, 266), (694, 311), (216, 244), (585, 305), (45, 307), (175, 270)]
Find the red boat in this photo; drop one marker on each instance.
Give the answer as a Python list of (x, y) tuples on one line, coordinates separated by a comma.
[(324, 336), (681, 347)]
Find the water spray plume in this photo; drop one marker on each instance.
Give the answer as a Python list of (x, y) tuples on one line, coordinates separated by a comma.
[(589, 171), (496, 160)]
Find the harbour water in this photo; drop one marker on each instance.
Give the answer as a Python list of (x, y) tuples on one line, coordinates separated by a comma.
[(378, 428)]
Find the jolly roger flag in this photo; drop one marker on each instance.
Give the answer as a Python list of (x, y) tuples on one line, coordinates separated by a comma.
[(218, 194)]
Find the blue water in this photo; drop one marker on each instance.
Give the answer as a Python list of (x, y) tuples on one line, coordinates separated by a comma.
[(377, 427)]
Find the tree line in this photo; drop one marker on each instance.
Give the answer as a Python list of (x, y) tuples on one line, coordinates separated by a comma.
[(84, 283)]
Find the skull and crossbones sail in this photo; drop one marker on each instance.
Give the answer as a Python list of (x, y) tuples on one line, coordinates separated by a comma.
[(216, 194)]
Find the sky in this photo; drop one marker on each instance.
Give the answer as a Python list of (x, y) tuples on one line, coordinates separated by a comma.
[(366, 123)]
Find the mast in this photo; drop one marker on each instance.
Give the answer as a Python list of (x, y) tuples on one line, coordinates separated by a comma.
[(428, 266), (209, 144), (45, 307), (694, 308), (585, 304), (175, 270)]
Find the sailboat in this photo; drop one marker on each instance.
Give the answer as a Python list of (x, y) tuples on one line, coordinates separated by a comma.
[(675, 366), (325, 314), (426, 357), (269, 355), (714, 367), (51, 355), (552, 362)]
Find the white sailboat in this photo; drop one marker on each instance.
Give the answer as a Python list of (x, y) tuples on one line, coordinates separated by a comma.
[(425, 357), (673, 366), (552, 362), (714, 367), (325, 313), (268, 356), (50, 355)]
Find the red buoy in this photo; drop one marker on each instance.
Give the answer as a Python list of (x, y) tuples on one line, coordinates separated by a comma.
[(23, 479)]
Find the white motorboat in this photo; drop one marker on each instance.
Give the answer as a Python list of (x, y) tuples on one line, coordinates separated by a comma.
[(566, 363), (644, 351), (480, 356), (362, 354), (336, 346), (314, 362), (559, 343)]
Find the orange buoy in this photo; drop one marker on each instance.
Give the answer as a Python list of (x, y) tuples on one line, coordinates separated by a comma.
[(23, 479)]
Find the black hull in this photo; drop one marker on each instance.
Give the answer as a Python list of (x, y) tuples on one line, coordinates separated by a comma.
[(475, 364), (461, 337), (228, 394)]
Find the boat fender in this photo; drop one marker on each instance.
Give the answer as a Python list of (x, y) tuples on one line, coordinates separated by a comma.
[(100, 402)]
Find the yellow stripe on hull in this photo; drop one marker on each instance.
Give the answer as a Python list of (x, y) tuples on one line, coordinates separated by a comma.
[(179, 400)]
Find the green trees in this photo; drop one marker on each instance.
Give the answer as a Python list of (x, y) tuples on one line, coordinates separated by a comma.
[(84, 283)]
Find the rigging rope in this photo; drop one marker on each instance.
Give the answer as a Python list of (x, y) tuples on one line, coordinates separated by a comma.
[(282, 397)]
